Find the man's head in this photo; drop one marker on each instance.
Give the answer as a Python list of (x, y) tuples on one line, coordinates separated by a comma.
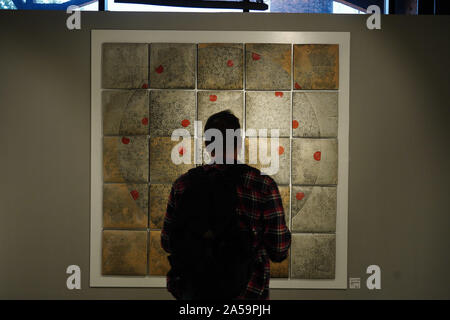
[(220, 122)]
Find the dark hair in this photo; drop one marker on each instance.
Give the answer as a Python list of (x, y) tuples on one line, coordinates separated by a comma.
[(222, 121)]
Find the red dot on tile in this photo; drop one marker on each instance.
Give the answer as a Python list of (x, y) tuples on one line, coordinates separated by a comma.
[(144, 121), (212, 97), (297, 86), (295, 124), (125, 140), (181, 150), (160, 69), (317, 155), (255, 56), (230, 63), (134, 194), (278, 94), (300, 195), (145, 86), (185, 123), (280, 150)]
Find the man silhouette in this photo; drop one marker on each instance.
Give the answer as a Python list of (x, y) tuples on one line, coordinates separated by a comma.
[(255, 201)]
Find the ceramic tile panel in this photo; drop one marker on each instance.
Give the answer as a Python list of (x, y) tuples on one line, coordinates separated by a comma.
[(125, 205), (316, 66), (268, 66), (162, 169), (211, 102), (158, 262), (125, 159), (313, 256), (314, 161), (259, 150), (170, 110), (172, 65), (125, 112), (124, 252), (313, 209), (124, 65), (315, 114), (268, 110), (159, 196), (220, 66)]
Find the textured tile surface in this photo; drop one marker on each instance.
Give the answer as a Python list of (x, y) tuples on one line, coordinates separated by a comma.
[(125, 159), (124, 65), (159, 195), (314, 161), (210, 102), (162, 169), (220, 66), (268, 66), (315, 114), (268, 110), (260, 149), (125, 205), (172, 65), (313, 209), (285, 199), (170, 110), (158, 262), (316, 66), (124, 252), (279, 269), (313, 256), (125, 112)]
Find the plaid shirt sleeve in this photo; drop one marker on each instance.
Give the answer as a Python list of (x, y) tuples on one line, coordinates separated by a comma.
[(276, 236)]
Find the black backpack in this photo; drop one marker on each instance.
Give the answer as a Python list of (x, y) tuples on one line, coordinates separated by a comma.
[(211, 255)]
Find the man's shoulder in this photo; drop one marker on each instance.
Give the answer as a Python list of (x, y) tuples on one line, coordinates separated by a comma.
[(252, 178)]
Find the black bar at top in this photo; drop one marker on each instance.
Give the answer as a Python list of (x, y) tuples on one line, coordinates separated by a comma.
[(243, 5)]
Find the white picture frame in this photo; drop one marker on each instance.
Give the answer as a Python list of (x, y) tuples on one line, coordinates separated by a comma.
[(98, 37)]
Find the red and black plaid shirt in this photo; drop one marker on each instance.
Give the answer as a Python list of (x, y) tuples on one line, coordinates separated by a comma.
[(260, 210)]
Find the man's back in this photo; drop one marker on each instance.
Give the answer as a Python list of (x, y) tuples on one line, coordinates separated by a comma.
[(260, 211)]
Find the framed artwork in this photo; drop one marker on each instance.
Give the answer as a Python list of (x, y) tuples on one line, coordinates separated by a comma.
[(145, 84)]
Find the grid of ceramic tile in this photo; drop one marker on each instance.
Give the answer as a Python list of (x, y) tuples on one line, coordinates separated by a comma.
[(150, 90)]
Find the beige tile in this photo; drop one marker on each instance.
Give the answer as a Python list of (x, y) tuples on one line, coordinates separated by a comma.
[(313, 256), (268, 110), (171, 110), (125, 205), (315, 114), (162, 169), (125, 112), (314, 161), (316, 66), (124, 253), (172, 65), (279, 269), (313, 209), (124, 65), (158, 262), (210, 102), (220, 66), (159, 196), (262, 146), (285, 199), (268, 66), (125, 159)]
